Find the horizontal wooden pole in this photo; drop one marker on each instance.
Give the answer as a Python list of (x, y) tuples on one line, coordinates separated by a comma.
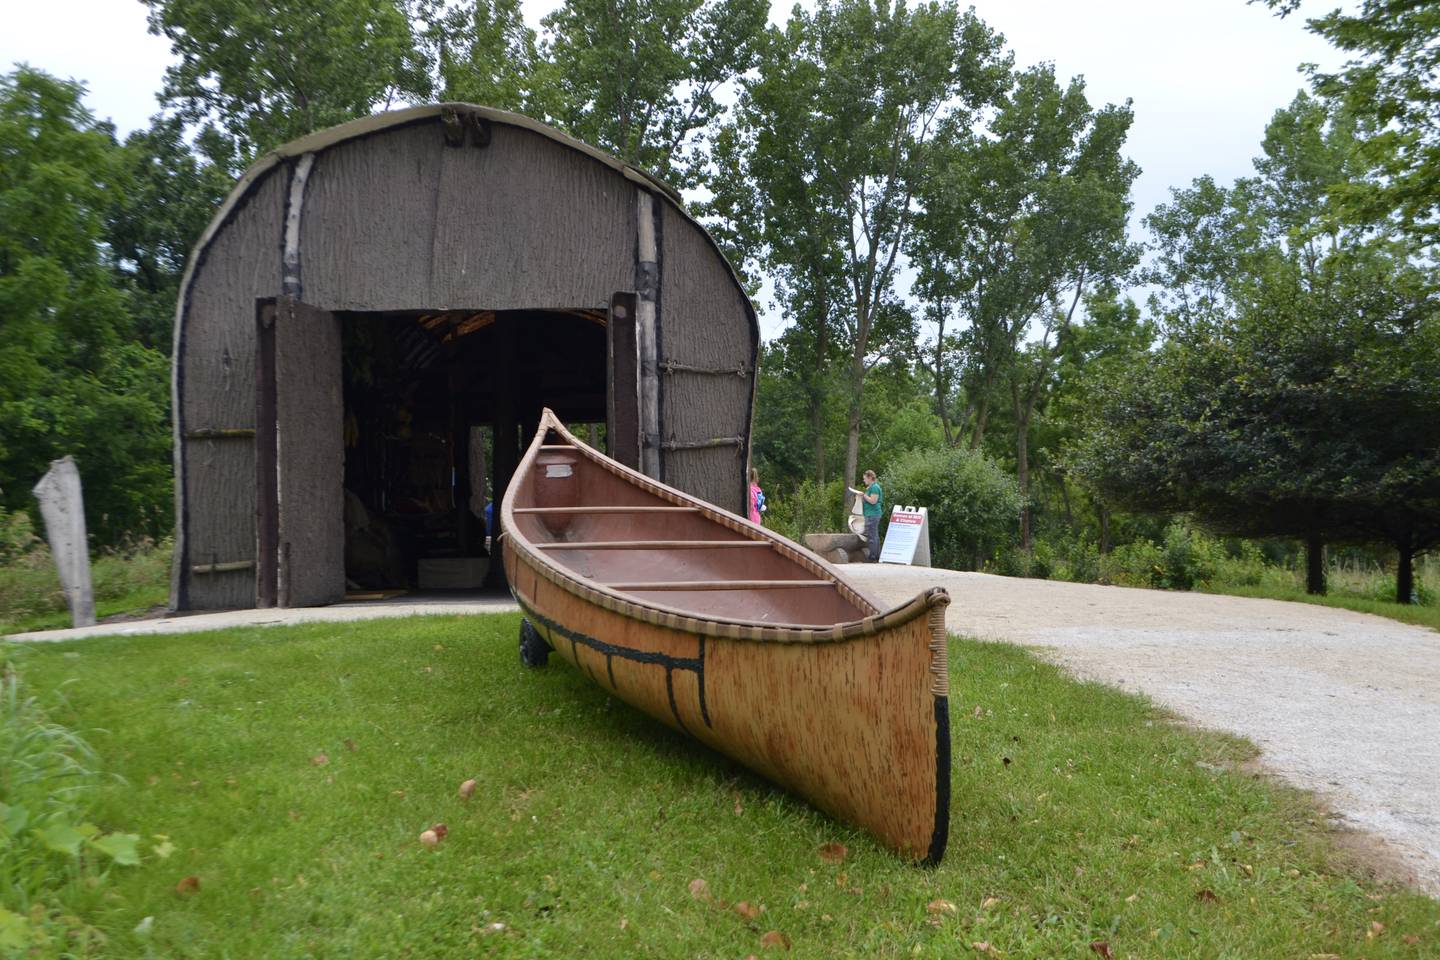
[(720, 585), (221, 433), (604, 510), (229, 566), (652, 544)]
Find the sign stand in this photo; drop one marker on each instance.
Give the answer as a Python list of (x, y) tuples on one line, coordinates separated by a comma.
[(907, 540)]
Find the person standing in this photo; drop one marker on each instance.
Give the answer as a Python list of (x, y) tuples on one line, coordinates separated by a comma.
[(757, 497), (874, 497)]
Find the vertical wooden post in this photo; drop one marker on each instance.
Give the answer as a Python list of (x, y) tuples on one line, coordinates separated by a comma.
[(622, 382), (267, 490), (63, 507), (647, 282)]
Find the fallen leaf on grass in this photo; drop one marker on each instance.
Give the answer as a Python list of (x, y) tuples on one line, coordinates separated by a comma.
[(1376, 928), (747, 909), (350, 745), (1207, 896), (941, 908), (187, 886), (466, 789), (319, 760), (774, 939), (1102, 948), (441, 830), (833, 853), (983, 946), (699, 889), (1410, 938), (989, 902)]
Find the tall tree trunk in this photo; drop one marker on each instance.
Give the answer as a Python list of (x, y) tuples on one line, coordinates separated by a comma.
[(1315, 566), (817, 395), (982, 413), (1405, 573), (852, 440), (1065, 501), (1103, 513), (817, 432)]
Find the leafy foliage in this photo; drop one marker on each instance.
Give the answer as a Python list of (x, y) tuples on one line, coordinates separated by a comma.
[(641, 78), (73, 378), (974, 506), (268, 73), (1390, 85), (53, 860)]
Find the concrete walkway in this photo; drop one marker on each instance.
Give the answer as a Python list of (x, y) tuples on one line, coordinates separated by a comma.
[(1344, 704), (418, 605)]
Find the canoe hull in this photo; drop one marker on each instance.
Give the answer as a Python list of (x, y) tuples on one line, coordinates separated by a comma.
[(859, 727)]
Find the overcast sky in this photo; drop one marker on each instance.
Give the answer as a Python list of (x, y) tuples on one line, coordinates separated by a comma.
[(1205, 75)]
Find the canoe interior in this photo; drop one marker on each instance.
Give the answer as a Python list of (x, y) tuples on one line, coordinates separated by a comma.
[(657, 554)]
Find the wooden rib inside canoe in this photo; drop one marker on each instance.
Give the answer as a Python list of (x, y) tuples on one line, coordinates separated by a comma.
[(737, 636)]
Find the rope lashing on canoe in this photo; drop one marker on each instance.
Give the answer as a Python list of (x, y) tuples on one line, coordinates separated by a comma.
[(939, 651)]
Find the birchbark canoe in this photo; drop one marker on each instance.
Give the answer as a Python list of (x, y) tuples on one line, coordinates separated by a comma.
[(736, 636)]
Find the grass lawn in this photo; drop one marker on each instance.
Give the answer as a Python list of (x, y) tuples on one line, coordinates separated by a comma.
[(1425, 615), (293, 769)]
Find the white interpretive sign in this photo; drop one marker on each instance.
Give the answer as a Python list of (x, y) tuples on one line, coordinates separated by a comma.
[(907, 540)]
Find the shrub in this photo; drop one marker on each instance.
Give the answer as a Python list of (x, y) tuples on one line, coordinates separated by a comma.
[(974, 505), (810, 508)]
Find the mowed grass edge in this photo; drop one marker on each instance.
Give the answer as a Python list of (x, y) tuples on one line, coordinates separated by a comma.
[(292, 770)]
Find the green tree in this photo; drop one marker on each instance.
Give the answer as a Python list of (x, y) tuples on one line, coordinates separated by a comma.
[(1018, 222), (1391, 84), (1304, 402), (641, 78), (834, 132), (485, 54), (167, 193), (268, 73), (71, 379)]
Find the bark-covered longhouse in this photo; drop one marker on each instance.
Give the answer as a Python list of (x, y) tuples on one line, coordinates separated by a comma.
[(377, 315)]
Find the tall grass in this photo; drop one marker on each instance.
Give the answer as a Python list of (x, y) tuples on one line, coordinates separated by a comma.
[(53, 860), (130, 579)]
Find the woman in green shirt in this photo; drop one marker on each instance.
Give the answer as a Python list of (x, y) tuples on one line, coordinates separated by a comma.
[(874, 497)]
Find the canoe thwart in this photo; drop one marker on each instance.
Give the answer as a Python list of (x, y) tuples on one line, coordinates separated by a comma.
[(651, 544), (720, 585), (604, 510)]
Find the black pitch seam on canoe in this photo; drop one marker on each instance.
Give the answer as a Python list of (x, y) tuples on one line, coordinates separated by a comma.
[(671, 664), (941, 835)]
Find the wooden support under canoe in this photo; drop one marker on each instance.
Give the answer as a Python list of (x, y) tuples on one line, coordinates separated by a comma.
[(767, 654)]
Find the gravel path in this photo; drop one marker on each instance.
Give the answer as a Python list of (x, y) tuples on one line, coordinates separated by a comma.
[(1345, 704)]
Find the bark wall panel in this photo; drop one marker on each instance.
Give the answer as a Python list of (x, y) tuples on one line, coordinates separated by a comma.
[(369, 219), (399, 221), (527, 222), (217, 354), (704, 322), (714, 474)]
